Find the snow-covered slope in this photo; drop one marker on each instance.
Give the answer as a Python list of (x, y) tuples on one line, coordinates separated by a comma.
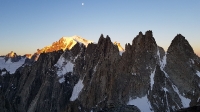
[(81, 40), (64, 43), (142, 103), (11, 66)]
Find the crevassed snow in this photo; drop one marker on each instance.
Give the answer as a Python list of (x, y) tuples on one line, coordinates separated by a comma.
[(11, 66), (185, 101), (198, 73), (77, 89), (152, 78), (142, 103)]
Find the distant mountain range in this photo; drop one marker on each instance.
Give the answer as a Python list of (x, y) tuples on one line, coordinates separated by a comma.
[(77, 75)]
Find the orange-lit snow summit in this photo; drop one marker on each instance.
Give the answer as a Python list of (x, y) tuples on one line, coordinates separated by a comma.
[(11, 54), (64, 43), (121, 49), (67, 43)]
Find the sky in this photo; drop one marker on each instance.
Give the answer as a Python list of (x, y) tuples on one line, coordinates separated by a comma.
[(26, 25)]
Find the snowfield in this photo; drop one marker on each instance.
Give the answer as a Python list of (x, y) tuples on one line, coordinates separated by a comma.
[(11, 66)]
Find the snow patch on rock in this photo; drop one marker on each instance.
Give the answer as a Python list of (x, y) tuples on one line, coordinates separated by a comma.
[(3, 73), (64, 66), (198, 73), (152, 78), (76, 90), (165, 89), (133, 73), (185, 101), (121, 52), (61, 80), (162, 61), (142, 103), (192, 61)]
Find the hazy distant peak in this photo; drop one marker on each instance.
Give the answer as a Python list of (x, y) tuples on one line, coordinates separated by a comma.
[(11, 54), (119, 46)]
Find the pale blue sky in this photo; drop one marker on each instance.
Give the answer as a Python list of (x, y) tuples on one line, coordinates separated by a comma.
[(26, 25)]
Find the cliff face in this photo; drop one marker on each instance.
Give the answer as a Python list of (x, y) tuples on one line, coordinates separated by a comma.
[(98, 78), (183, 68)]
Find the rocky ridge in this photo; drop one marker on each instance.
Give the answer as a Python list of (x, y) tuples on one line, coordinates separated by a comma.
[(97, 78)]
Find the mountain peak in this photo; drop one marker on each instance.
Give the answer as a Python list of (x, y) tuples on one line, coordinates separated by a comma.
[(144, 42), (28, 56), (97, 78), (11, 54), (180, 44), (149, 33), (64, 43), (140, 34), (102, 39)]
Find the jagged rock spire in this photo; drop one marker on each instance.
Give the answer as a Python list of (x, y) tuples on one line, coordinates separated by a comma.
[(180, 44), (144, 42), (149, 33)]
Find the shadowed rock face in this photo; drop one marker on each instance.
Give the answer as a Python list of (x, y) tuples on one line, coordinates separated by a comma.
[(182, 67), (190, 109), (106, 81), (181, 46)]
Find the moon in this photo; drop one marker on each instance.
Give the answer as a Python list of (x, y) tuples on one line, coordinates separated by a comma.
[(82, 3)]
